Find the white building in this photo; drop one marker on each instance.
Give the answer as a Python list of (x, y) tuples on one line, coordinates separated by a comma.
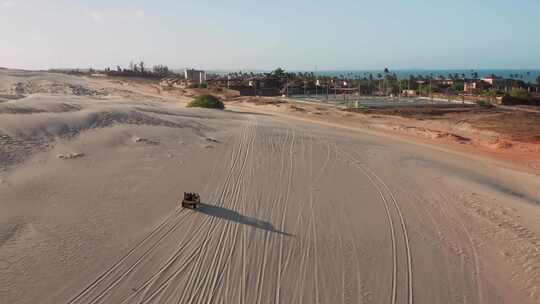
[(493, 80), (195, 76), (409, 93)]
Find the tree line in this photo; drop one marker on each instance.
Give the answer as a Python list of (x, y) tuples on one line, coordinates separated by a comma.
[(140, 70), (137, 69), (387, 82)]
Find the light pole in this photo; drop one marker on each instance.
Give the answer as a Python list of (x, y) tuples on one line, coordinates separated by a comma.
[(327, 87), (431, 88)]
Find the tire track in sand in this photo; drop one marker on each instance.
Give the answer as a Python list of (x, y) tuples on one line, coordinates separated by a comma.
[(393, 295), (180, 215), (145, 298), (131, 252), (314, 227), (238, 198), (147, 285), (282, 226), (195, 271), (472, 245), (369, 171), (133, 267), (267, 236)]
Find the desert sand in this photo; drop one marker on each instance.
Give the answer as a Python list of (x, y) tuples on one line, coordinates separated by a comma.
[(294, 211)]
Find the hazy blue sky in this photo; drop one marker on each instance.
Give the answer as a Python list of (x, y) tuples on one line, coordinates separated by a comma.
[(238, 34)]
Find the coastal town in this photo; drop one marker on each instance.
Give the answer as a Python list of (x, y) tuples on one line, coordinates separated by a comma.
[(471, 87), (432, 104)]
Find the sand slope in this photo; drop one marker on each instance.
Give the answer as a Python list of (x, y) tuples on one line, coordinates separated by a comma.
[(293, 212)]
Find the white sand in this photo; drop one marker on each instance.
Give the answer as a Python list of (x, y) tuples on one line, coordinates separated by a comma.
[(293, 212)]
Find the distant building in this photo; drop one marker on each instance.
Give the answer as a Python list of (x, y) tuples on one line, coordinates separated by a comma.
[(470, 86), (447, 81), (409, 93), (492, 80), (195, 76)]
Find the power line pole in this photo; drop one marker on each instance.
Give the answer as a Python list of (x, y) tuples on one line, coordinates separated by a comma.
[(327, 87), (430, 88)]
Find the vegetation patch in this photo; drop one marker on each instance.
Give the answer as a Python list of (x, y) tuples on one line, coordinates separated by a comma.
[(484, 104), (207, 101)]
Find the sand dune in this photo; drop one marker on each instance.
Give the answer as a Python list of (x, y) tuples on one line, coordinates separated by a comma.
[(294, 212)]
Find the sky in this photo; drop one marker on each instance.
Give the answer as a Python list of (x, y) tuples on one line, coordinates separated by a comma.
[(263, 35)]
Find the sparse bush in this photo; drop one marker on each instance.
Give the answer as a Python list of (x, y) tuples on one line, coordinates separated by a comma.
[(484, 104), (207, 101), (520, 94), (198, 86), (457, 87)]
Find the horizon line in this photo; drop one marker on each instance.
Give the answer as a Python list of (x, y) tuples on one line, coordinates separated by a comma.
[(535, 69)]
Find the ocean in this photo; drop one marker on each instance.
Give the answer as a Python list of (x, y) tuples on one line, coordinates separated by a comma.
[(525, 75)]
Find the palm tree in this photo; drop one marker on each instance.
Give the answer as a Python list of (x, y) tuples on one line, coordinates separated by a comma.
[(141, 65), (379, 77), (411, 79), (386, 78), (370, 81)]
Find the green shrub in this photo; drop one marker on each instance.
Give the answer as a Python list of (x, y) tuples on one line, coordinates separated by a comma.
[(520, 94), (207, 101), (198, 86), (457, 87), (484, 104)]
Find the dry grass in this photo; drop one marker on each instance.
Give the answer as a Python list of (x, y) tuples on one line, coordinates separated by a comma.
[(515, 125)]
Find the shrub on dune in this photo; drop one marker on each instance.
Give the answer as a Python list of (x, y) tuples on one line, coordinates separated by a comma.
[(206, 101)]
